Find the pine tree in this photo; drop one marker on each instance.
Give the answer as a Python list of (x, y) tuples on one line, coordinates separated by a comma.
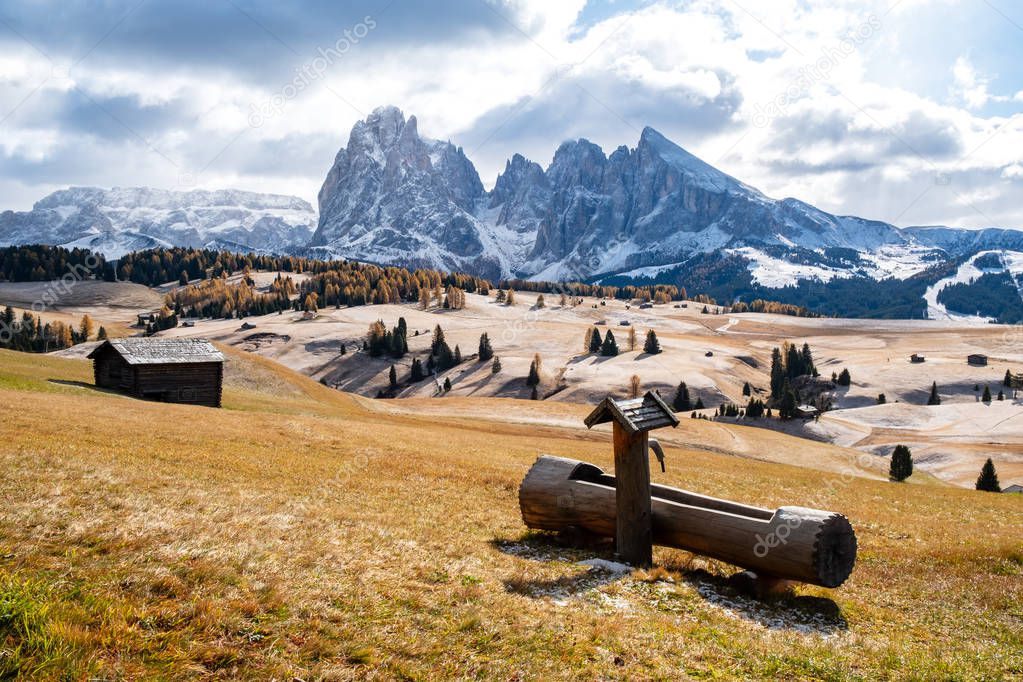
[(445, 357), (458, 355), (1001, 395), (652, 345), (699, 404), (901, 466), (843, 378), (495, 367), (486, 352), (417, 373), (101, 335), (438, 339), (789, 403), (500, 296), (882, 399), (447, 384), (632, 338), (934, 398), (609, 347), (85, 328), (987, 395), (534, 394), (634, 386), (393, 377), (1007, 381), (682, 401), (746, 390), (183, 280), (595, 340), (988, 479), (777, 374), (807, 360)]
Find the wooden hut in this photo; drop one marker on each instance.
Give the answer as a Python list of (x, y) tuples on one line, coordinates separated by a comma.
[(916, 358), (187, 371), (977, 359)]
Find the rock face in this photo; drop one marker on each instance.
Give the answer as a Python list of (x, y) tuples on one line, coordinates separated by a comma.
[(395, 197), (120, 220)]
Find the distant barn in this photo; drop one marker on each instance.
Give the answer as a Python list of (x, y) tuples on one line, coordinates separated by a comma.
[(977, 359), (168, 370), (916, 357)]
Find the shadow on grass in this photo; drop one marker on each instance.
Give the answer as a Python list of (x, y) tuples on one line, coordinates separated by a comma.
[(84, 384), (807, 614)]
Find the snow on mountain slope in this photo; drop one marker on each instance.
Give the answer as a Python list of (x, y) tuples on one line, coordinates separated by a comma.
[(1011, 261), (119, 220)]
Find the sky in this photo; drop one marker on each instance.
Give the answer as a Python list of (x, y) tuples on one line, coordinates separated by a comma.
[(907, 111)]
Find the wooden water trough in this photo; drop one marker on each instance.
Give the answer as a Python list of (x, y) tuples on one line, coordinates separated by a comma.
[(790, 543)]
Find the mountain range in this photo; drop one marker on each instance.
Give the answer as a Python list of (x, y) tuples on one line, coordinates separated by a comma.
[(116, 221), (649, 213)]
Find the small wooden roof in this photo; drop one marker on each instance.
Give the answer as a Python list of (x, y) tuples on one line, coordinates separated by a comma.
[(150, 351), (635, 415)]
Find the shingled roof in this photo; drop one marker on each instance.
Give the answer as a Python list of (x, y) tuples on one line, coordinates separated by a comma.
[(150, 351), (635, 414)]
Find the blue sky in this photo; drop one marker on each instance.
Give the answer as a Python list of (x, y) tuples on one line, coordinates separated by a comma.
[(902, 110)]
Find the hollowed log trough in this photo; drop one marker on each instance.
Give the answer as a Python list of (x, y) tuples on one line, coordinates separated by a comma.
[(791, 543)]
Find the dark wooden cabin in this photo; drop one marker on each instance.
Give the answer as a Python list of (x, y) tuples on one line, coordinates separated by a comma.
[(187, 371), (977, 360)]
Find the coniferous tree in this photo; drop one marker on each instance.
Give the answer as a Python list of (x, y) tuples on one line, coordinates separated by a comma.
[(881, 399), (755, 408), (495, 367), (438, 339), (609, 347), (777, 374), (595, 340), (447, 384), (486, 352), (789, 403), (183, 280), (632, 338), (651, 345), (934, 398), (682, 401), (510, 298), (445, 357), (458, 355), (988, 479), (793, 362), (417, 373), (540, 301), (500, 296), (807, 361), (1007, 381), (699, 404), (844, 379), (534, 394), (101, 335), (987, 395), (901, 466), (392, 377), (1001, 395), (746, 390), (634, 386), (85, 328)]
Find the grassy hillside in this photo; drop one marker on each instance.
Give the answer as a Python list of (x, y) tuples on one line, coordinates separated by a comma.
[(301, 532)]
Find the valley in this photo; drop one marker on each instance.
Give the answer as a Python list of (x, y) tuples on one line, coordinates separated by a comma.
[(714, 354)]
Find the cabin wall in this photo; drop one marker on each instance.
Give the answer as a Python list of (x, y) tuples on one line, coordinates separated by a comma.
[(111, 371), (191, 383)]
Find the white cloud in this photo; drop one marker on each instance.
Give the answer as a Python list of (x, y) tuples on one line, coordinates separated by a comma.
[(780, 99)]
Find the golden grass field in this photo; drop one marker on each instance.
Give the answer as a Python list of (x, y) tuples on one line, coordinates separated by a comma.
[(303, 533)]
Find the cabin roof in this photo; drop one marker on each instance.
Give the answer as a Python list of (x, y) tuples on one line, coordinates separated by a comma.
[(150, 351), (635, 415)]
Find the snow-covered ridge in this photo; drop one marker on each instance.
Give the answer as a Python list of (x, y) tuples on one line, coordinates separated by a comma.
[(116, 221)]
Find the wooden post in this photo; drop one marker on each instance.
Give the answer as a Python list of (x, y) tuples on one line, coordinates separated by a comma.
[(634, 530)]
